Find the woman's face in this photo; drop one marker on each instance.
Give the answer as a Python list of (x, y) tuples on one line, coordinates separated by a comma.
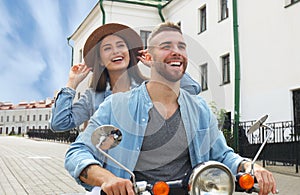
[(114, 53)]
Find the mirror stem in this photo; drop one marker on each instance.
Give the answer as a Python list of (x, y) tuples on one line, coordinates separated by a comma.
[(261, 147), (122, 166)]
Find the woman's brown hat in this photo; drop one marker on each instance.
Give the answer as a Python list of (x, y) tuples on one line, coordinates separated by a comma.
[(133, 40)]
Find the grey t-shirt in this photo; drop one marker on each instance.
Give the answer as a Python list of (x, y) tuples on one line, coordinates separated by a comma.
[(164, 154)]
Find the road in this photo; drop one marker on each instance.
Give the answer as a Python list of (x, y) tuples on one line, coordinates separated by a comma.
[(37, 167)]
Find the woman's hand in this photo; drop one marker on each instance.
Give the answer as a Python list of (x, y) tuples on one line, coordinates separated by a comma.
[(144, 57), (77, 73)]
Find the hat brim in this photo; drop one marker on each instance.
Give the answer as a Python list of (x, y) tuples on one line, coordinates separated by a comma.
[(132, 39)]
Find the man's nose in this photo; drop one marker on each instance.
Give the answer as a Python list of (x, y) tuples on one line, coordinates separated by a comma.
[(176, 51)]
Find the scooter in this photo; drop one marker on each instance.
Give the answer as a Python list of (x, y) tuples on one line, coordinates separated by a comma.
[(207, 178)]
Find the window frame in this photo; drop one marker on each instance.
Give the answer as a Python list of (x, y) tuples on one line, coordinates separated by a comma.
[(204, 77), (144, 36), (289, 3), (202, 19), (80, 56), (225, 61), (224, 11)]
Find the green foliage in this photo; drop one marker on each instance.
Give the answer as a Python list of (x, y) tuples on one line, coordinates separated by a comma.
[(229, 137), (220, 114), (221, 117)]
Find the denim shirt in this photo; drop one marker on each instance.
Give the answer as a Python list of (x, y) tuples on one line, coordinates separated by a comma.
[(129, 112), (67, 115)]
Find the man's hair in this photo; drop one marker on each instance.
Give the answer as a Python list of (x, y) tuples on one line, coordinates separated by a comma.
[(165, 26)]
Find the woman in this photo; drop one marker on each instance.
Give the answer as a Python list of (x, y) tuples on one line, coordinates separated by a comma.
[(113, 50)]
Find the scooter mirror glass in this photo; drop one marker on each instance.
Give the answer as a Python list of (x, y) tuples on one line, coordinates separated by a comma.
[(106, 137), (257, 124)]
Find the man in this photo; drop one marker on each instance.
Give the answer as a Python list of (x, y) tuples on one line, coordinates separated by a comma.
[(166, 131)]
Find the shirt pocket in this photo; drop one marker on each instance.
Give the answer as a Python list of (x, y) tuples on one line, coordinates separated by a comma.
[(202, 140)]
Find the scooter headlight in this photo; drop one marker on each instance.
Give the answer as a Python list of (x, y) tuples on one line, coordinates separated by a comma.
[(211, 178)]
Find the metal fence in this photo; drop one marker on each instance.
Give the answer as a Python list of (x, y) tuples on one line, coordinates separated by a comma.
[(47, 134), (284, 132), (283, 144)]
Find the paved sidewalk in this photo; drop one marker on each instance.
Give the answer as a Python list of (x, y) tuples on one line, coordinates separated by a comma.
[(287, 170), (34, 167)]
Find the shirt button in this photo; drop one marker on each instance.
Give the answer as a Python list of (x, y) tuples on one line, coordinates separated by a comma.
[(143, 119)]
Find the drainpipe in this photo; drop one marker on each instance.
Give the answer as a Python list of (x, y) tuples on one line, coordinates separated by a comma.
[(159, 7), (237, 75), (102, 10), (72, 50)]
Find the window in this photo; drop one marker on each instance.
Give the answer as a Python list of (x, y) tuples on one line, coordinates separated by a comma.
[(202, 18), (40, 117), (46, 117), (225, 69), (290, 2), (2, 119), (28, 117), (224, 9), (144, 37), (80, 56), (203, 69), (20, 118), (7, 119), (14, 119), (179, 24), (33, 118)]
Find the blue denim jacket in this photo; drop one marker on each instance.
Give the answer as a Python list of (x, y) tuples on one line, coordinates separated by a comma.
[(129, 112), (66, 115)]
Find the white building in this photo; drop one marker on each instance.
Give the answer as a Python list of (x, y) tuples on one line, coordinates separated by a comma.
[(18, 119), (250, 68)]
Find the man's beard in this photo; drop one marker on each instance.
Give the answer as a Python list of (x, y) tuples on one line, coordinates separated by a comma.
[(161, 69)]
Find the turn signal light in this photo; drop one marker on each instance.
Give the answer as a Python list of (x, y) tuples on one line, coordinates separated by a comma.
[(246, 181), (161, 188)]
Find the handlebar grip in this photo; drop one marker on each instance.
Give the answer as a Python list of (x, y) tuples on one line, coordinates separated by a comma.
[(256, 188)]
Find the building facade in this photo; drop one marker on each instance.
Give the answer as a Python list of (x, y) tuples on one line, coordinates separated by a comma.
[(244, 54), (19, 118)]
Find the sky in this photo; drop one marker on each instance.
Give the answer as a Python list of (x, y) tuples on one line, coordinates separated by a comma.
[(34, 51)]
